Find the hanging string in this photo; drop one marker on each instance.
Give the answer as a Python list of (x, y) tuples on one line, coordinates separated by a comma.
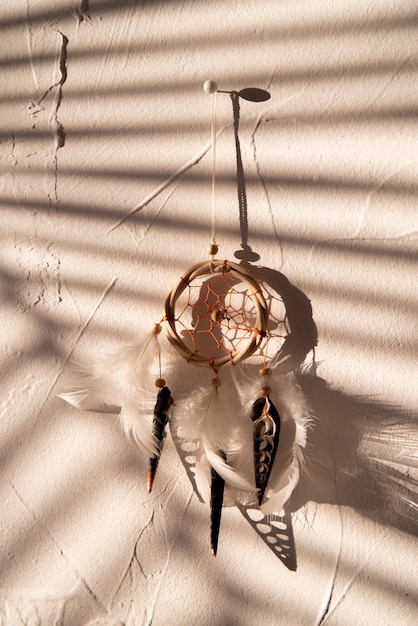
[(253, 95), (213, 169), (210, 87)]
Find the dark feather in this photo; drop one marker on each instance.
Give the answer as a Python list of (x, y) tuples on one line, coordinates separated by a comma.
[(266, 433), (216, 499), (164, 401)]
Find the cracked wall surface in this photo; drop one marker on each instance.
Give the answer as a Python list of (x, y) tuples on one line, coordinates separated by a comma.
[(105, 194)]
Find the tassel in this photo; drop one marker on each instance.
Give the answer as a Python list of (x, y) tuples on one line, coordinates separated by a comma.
[(266, 432), (122, 382), (164, 402)]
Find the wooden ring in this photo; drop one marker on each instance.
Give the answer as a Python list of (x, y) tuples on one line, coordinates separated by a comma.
[(258, 333)]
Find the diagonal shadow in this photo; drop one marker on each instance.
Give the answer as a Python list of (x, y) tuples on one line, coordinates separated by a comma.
[(287, 32)]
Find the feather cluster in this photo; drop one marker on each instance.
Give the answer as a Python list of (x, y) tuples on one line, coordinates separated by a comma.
[(216, 421), (210, 419)]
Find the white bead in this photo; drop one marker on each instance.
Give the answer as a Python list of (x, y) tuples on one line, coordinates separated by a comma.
[(210, 86)]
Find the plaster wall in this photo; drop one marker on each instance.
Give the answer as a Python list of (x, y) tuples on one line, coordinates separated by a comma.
[(101, 103)]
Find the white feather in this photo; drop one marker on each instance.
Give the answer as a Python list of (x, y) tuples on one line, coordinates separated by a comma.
[(210, 418), (203, 474), (278, 496), (123, 379), (86, 391)]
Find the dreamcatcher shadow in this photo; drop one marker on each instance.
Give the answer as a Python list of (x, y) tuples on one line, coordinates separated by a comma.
[(361, 454)]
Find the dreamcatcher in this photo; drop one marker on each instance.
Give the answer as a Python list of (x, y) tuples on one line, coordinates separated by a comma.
[(241, 432)]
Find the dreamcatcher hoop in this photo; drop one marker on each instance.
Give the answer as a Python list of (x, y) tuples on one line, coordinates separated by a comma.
[(255, 336)]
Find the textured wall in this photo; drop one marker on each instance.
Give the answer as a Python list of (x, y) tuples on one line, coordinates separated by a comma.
[(101, 103)]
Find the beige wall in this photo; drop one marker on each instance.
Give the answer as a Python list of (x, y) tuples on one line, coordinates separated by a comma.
[(100, 104)]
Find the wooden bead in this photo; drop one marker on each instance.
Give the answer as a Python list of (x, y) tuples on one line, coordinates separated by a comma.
[(264, 371), (216, 315), (265, 391), (216, 382), (212, 249), (156, 329), (160, 382)]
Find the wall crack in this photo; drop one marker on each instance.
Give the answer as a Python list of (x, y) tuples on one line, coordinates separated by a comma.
[(35, 107), (184, 168), (59, 128)]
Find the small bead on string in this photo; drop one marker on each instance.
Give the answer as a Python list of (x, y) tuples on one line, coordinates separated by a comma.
[(156, 329), (265, 389)]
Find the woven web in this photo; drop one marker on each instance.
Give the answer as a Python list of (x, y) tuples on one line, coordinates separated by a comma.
[(217, 317)]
